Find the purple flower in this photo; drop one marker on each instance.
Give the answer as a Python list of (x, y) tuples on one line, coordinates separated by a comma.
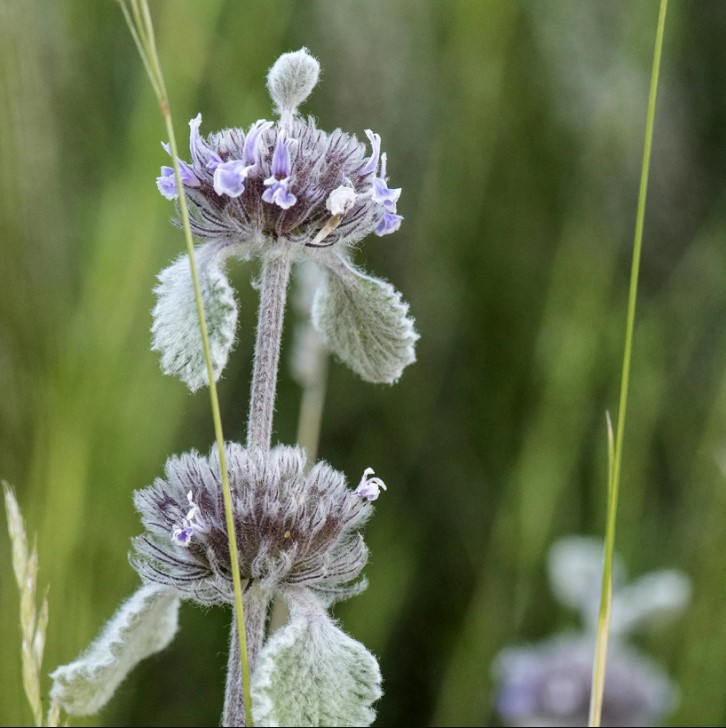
[(229, 177), (389, 223), (370, 487), (166, 182), (549, 684), (202, 155), (370, 164), (251, 148), (182, 536), (191, 523), (277, 192), (381, 193)]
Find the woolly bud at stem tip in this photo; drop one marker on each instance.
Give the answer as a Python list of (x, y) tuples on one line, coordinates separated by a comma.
[(292, 78)]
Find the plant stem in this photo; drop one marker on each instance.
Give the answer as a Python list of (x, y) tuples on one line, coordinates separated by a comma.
[(256, 605), (274, 280), (311, 414), (598, 678), (142, 31), (273, 294)]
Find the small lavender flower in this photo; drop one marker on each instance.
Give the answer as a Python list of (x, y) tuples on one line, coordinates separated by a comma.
[(166, 182), (293, 527), (286, 188), (370, 486), (549, 684)]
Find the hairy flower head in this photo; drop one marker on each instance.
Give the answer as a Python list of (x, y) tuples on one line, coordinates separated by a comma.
[(292, 527), (281, 181), (284, 187)]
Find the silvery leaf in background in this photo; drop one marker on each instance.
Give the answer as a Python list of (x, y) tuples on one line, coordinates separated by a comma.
[(574, 567), (143, 625)]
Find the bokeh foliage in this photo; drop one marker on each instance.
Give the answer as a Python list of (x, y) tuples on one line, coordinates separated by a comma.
[(515, 129)]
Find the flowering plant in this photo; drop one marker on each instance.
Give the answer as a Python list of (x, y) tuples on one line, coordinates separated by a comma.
[(285, 192)]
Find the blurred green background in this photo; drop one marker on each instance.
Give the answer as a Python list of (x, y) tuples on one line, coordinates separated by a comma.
[(515, 129)]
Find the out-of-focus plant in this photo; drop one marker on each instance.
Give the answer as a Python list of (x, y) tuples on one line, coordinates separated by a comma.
[(549, 683)]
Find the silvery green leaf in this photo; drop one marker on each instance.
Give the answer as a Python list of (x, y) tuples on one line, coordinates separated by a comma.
[(143, 625), (365, 322), (654, 598), (308, 354), (310, 673), (575, 565), (175, 328)]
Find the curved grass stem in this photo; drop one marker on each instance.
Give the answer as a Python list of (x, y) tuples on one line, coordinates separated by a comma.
[(615, 459), (139, 21)]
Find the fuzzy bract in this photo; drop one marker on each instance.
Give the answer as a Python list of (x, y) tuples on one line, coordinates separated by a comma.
[(365, 322), (291, 79), (175, 328)]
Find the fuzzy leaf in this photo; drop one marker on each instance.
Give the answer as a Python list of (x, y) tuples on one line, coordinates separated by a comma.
[(655, 598), (575, 566), (175, 328), (365, 322), (310, 673), (143, 625)]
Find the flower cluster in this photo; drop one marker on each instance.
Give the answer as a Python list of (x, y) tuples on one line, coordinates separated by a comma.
[(284, 188), (549, 684), (293, 527), (284, 180), (272, 184)]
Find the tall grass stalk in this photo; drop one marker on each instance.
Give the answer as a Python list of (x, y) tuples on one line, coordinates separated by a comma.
[(615, 459), (33, 621), (138, 18)]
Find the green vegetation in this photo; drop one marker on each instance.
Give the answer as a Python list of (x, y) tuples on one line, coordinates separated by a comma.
[(515, 130)]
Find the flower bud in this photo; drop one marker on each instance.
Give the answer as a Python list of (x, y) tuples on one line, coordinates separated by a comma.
[(292, 78)]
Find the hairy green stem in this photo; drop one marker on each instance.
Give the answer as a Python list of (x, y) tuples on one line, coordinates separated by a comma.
[(142, 31), (273, 294), (274, 279), (598, 677)]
